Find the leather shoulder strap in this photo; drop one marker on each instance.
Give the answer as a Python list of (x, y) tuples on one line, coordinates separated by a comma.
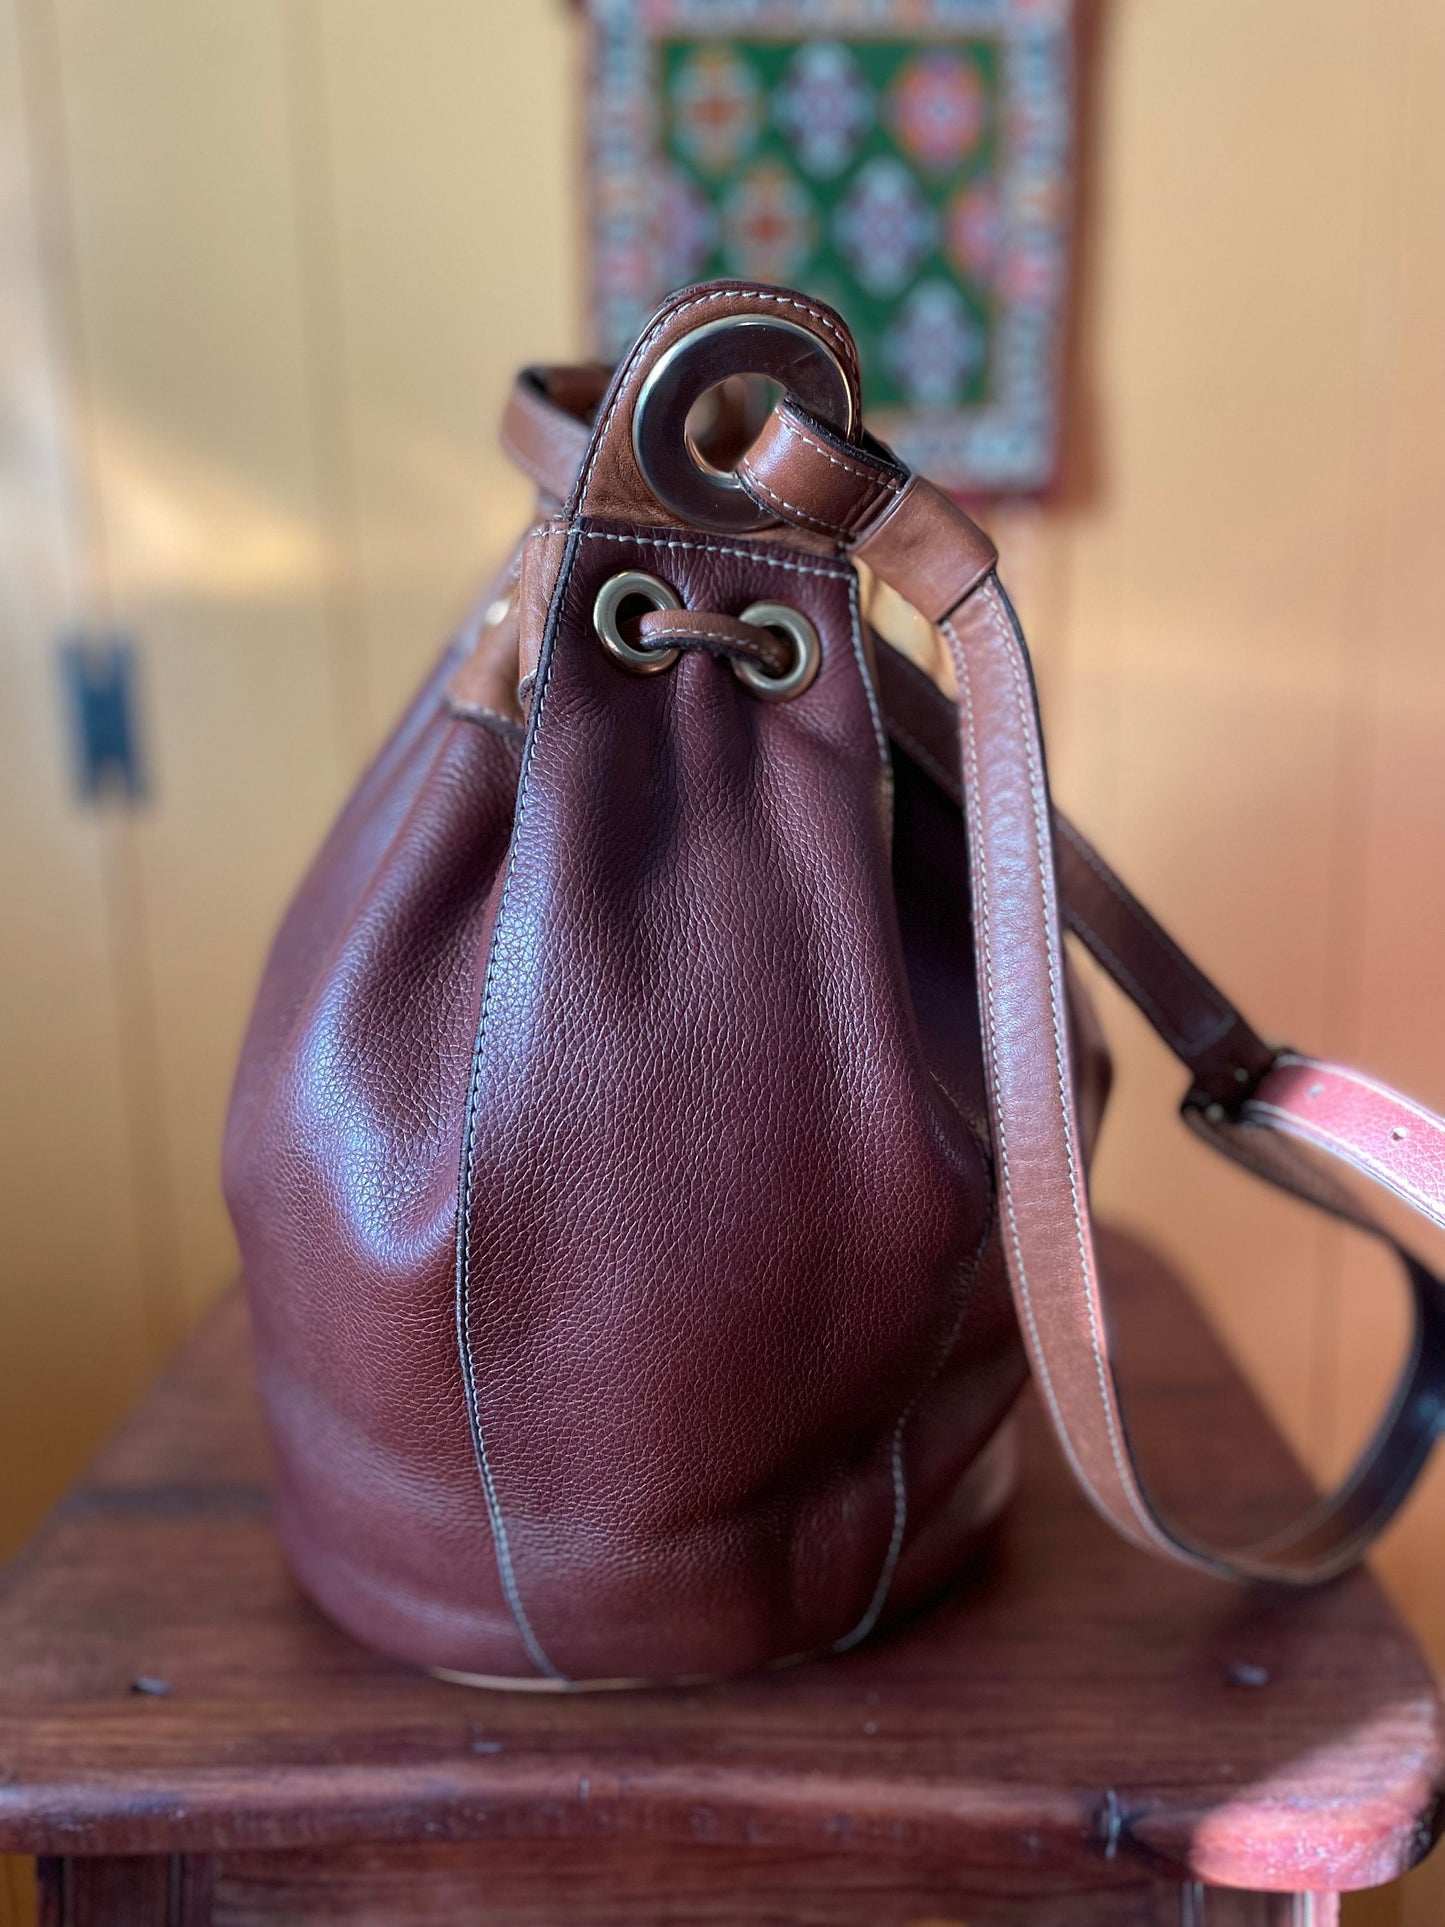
[(546, 424), (1258, 1106)]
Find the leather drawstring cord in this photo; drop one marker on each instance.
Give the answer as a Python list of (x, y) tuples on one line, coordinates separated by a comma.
[(719, 635)]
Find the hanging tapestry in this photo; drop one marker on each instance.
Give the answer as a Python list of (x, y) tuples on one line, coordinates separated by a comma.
[(907, 161)]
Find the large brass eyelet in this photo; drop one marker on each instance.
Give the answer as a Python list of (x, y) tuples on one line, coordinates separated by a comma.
[(633, 585), (742, 344), (807, 657)]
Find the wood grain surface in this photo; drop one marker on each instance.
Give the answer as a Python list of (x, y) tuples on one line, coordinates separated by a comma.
[(1075, 1712)]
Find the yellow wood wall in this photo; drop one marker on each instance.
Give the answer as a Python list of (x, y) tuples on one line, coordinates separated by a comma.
[(265, 266)]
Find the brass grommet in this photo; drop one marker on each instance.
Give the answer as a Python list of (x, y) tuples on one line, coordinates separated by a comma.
[(803, 365), (808, 653), (605, 610)]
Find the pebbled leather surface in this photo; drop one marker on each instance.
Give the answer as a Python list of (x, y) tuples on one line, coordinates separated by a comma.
[(1248, 1100), (340, 1172), (753, 1516), (721, 1221), (609, 1154)]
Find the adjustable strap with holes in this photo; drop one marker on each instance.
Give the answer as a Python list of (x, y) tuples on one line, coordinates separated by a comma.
[(1257, 1105)]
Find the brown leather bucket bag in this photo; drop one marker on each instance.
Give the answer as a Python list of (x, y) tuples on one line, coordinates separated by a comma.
[(660, 1146)]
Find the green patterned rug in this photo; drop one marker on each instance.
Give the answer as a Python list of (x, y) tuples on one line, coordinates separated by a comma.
[(908, 161)]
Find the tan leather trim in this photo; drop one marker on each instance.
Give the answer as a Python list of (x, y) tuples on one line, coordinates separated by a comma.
[(1246, 1095), (542, 556), (922, 539), (610, 484), (545, 423), (844, 486), (484, 681)]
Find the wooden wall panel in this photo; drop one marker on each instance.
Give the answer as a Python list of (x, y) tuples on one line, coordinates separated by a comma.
[(1396, 902), (82, 1303), (444, 179), (1205, 626), (214, 552), (1247, 689)]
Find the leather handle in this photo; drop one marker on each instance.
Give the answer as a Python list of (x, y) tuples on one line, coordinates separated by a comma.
[(1256, 1105)]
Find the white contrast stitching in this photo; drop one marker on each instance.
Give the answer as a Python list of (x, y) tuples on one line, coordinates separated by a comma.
[(1348, 1075), (657, 638), (803, 515), (968, 1278), (1042, 826), (980, 870), (884, 520), (855, 612), (1310, 1185), (1081, 925), (882, 478), (985, 927), (640, 539), (1282, 1166), (839, 573), (1312, 1133), (464, 1227)]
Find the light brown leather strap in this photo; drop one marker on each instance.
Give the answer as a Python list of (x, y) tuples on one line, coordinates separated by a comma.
[(545, 425), (932, 555)]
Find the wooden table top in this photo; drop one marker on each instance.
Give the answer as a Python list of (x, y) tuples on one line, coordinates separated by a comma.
[(1074, 1704)]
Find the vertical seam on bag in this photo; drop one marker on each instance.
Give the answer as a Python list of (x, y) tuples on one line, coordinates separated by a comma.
[(967, 1281), (980, 868), (855, 622), (847, 575), (500, 1539), (894, 1550), (876, 1603)]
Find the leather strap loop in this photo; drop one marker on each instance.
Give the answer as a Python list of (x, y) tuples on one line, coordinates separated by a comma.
[(849, 485), (1380, 1134), (545, 424)]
